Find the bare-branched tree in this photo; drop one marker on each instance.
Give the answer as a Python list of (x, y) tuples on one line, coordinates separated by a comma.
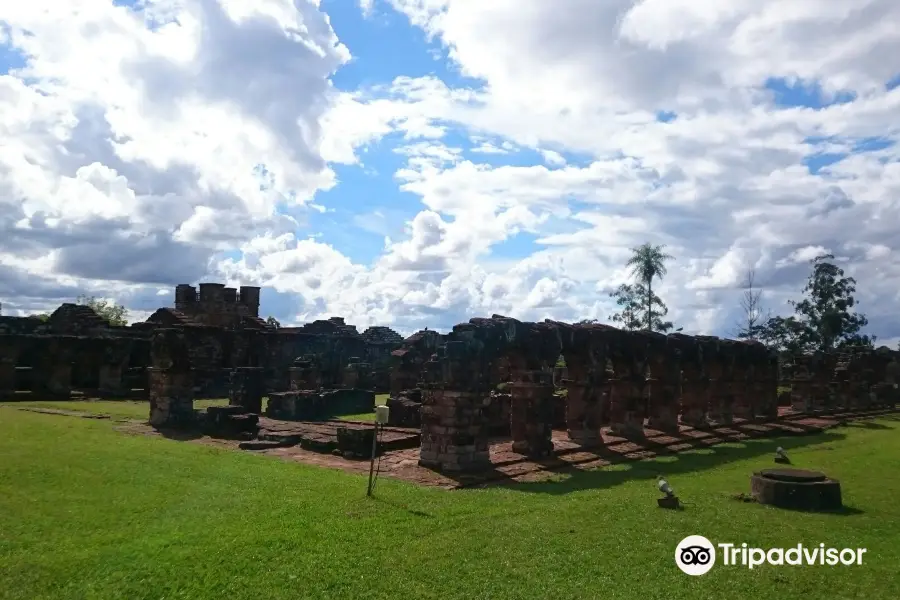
[(753, 317)]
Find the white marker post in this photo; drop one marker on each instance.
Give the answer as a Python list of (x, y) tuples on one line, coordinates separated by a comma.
[(381, 418)]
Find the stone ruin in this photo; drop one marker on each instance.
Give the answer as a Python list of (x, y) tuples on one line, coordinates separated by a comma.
[(75, 351), (487, 377), (861, 379), (626, 381)]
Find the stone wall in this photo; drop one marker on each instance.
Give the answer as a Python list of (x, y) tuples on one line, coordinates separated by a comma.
[(51, 366)]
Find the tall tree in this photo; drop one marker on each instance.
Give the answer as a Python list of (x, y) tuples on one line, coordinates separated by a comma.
[(824, 319), (648, 262), (826, 310), (273, 322), (115, 314), (751, 322), (633, 301)]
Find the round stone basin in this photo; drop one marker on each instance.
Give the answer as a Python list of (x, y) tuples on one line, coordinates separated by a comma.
[(796, 489), (795, 475)]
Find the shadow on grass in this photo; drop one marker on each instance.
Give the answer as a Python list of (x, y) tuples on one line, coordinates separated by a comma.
[(845, 511), (868, 425), (671, 465), (180, 435), (403, 507)]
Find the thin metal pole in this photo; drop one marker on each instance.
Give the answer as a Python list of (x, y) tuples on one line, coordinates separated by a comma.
[(372, 462)]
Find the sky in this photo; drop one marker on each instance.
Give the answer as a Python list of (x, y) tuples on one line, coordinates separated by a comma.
[(416, 163)]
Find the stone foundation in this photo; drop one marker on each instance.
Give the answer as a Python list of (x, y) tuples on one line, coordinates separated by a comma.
[(311, 405)]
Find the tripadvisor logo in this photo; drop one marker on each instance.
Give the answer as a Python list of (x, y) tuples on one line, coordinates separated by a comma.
[(696, 555)]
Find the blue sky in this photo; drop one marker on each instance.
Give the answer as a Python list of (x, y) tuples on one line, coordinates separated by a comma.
[(367, 203), (385, 46)]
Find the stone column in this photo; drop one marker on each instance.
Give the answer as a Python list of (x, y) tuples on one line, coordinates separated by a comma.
[(766, 382), (247, 388), (743, 399), (720, 369), (866, 398), (841, 384), (816, 387), (627, 405), (664, 390), (171, 397), (454, 430), (454, 411), (694, 392), (531, 413), (170, 380), (584, 408), (801, 390)]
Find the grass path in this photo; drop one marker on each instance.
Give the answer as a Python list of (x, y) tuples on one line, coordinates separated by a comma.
[(87, 512)]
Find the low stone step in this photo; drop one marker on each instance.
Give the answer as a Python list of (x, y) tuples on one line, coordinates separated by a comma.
[(261, 445)]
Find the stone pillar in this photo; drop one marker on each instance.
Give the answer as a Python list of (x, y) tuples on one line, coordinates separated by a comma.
[(584, 409), (171, 397), (531, 413), (841, 384), (766, 386), (664, 386), (801, 392), (743, 399), (247, 388), (720, 395), (454, 430), (627, 406), (694, 392), (868, 382), (817, 389)]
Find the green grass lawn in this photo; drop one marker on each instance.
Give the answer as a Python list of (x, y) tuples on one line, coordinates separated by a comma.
[(87, 512), (126, 409), (135, 409)]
